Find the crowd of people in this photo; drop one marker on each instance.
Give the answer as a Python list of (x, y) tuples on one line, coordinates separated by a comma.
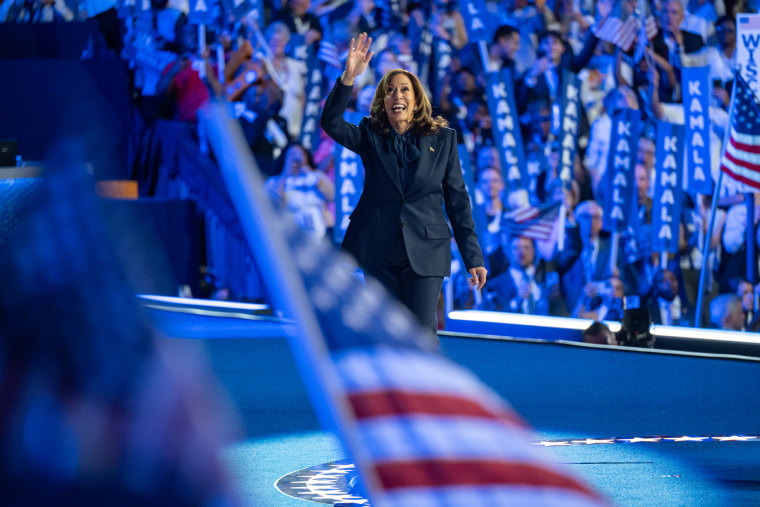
[(257, 60)]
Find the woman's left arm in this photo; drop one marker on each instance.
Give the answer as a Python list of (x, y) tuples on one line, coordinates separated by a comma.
[(457, 203), (326, 186)]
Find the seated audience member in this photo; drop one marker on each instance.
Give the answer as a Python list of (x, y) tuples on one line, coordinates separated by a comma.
[(498, 258), (726, 312), (365, 17), (157, 41), (746, 293), (528, 18), (606, 303), (288, 73), (601, 131), (182, 83), (503, 50), (541, 147), (304, 192), (722, 60), (491, 188), (300, 20), (599, 333), (585, 258), (666, 306), (448, 24), (525, 286), (670, 45), (40, 11), (694, 219), (544, 80), (383, 62), (733, 257)]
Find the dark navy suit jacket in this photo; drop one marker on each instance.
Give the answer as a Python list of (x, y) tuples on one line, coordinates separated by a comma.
[(385, 206)]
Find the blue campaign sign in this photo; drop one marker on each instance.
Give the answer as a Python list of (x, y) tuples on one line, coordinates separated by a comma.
[(200, 12), (349, 182), (506, 128), (476, 19), (442, 52), (695, 84), (619, 176), (668, 191), (570, 109), (314, 94)]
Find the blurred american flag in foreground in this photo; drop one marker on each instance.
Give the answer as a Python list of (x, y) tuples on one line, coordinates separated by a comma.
[(421, 429)]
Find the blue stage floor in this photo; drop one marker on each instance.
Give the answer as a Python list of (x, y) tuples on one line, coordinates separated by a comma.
[(576, 397)]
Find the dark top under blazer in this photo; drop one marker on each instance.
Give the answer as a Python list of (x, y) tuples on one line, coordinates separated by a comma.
[(384, 206)]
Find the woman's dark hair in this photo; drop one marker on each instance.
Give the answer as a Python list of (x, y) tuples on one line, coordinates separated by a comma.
[(294, 144), (423, 121)]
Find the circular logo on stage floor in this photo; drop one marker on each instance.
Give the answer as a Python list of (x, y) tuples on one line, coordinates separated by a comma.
[(329, 483)]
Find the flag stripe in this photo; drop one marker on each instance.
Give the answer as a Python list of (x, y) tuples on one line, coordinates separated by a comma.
[(384, 368), (741, 176), (472, 472), (531, 221), (742, 159), (392, 402), (745, 143), (397, 439)]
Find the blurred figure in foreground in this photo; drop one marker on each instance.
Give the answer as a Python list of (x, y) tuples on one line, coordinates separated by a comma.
[(92, 412)]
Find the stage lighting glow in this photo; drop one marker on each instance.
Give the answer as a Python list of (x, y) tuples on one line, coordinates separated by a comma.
[(205, 303), (527, 320), (705, 334)]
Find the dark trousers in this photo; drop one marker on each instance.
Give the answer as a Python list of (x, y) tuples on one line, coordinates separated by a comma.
[(418, 293)]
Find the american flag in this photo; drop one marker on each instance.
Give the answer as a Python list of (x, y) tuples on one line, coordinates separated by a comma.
[(421, 429), (531, 221), (619, 32), (741, 157), (431, 433)]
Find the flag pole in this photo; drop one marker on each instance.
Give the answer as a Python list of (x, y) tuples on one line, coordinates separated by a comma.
[(561, 232), (262, 229), (614, 240), (750, 202), (713, 207)]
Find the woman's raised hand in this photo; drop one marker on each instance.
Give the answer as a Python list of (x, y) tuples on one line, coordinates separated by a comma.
[(358, 58)]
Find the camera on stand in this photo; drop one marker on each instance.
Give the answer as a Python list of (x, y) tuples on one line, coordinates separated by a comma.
[(635, 325)]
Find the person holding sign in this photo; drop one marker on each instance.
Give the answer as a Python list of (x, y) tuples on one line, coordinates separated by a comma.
[(398, 232)]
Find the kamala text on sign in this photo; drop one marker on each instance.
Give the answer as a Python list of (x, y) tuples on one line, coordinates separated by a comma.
[(309, 131), (696, 90), (349, 181), (623, 149), (569, 126), (506, 130), (666, 205), (473, 12)]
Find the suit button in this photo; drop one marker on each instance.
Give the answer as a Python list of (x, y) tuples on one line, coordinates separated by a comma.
[(404, 225)]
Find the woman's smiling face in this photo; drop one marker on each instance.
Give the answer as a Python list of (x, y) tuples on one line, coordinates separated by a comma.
[(399, 102)]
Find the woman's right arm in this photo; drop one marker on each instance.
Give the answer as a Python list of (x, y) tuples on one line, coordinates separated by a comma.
[(332, 121)]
